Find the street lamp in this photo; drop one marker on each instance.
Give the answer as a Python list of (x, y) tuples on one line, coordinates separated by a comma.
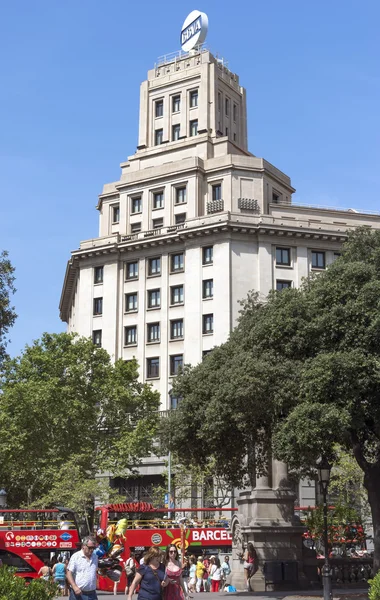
[(324, 470)]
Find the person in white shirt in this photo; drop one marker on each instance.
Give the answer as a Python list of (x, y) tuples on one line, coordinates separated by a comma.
[(215, 573), (81, 572)]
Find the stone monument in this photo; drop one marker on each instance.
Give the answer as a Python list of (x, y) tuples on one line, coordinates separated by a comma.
[(266, 518)]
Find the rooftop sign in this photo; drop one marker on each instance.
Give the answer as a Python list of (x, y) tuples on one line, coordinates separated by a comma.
[(194, 30)]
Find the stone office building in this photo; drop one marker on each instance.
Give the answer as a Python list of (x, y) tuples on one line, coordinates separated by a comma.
[(193, 224)]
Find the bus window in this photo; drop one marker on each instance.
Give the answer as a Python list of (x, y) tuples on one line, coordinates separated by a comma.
[(12, 560)]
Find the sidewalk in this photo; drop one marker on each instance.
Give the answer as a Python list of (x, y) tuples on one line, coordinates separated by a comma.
[(341, 594)]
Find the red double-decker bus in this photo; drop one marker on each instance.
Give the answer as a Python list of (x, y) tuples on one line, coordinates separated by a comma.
[(29, 537), (210, 533)]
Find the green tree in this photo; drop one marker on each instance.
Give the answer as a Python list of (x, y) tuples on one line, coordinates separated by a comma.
[(15, 588), (300, 373), (66, 408), (7, 313)]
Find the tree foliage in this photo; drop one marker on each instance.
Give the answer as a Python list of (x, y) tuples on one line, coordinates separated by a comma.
[(300, 373), (7, 313), (67, 413)]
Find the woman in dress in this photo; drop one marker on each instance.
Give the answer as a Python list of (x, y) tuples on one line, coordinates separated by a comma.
[(150, 576), (176, 588), (249, 564)]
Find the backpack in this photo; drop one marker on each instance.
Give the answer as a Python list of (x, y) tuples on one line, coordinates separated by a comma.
[(130, 567)]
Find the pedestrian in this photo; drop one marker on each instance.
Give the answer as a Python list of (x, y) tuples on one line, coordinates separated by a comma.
[(249, 564), (226, 570), (215, 574), (59, 574), (130, 571), (45, 571), (192, 574), (150, 576), (200, 569), (206, 574), (81, 572), (175, 589), (186, 574)]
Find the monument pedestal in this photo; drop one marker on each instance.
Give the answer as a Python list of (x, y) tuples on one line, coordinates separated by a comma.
[(266, 518)]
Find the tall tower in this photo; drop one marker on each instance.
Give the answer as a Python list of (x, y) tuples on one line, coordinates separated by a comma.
[(195, 222)]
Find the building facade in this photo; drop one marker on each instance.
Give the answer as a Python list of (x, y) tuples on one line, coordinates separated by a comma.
[(195, 222)]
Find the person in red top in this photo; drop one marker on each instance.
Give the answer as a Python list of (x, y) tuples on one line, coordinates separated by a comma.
[(249, 564)]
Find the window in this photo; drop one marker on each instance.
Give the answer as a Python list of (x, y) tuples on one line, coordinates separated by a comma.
[(98, 275), (154, 298), (136, 205), (152, 367), (180, 218), (336, 255), (176, 262), (207, 255), (283, 256), (176, 363), (132, 270), (234, 112), (180, 195), (176, 103), (159, 108), (115, 213), (131, 302), (217, 191), (194, 127), (234, 137), (174, 401), (158, 136), (130, 335), (135, 227), (205, 353), (153, 332), (97, 337), (176, 132), (193, 98), (176, 329), (219, 101), (275, 198), (158, 223), (154, 266), (227, 107), (98, 306), (176, 294), (208, 324), (158, 200), (226, 130), (208, 288), (318, 260), (282, 285)]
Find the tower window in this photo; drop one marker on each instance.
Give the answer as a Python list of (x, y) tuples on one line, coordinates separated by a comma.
[(97, 337), (153, 368), (131, 302), (98, 306), (217, 191), (98, 275), (176, 363), (282, 285), (283, 256), (207, 255), (235, 112), (158, 136), (318, 260), (154, 298), (208, 288), (176, 262), (208, 324), (130, 335), (176, 103), (176, 294), (153, 332), (154, 266), (176, 329), (180, 195), (194, 99), (136, 205), (159, 108), (180, 218), (158, 200), (115, 213), (176, 132), (227, 107), (194, 127)]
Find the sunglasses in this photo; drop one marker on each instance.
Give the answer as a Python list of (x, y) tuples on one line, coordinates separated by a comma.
[(172, 551), (90, 547)]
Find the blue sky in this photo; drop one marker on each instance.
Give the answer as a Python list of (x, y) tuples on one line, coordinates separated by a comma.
[(70, 74)]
